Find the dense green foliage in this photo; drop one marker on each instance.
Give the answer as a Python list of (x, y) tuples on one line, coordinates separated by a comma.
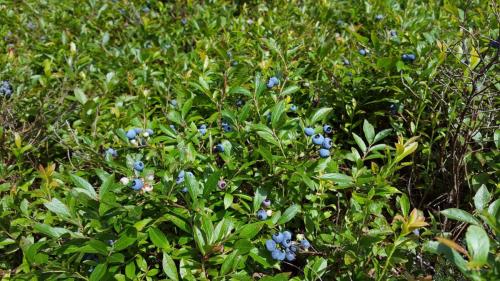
[(408, 190)]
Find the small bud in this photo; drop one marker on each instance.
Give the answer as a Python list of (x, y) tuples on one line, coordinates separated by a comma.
[(269, 213), (146, 134), (150, 177), (147, 187), (300, 236)]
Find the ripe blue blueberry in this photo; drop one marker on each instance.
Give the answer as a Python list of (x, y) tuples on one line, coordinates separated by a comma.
[(189, 174), (286, 243), (346, 62), (287, 235), (270, 245), (273, 81), (139, 166), (131, 134), (495, 44), (293, 248), (261, 215), (363, 52), (179, 180), (393, 33), (150, 132), (327, 143), (411, 57), (219, 148), (138, 130), (278, 255), (266, 203), (379, 17), (327, 129), (226, 127), (240, 102), (305, 244), (111, 152), (181, 174), (318, 139), (5, 89), (184, 190), (172, 127), (393, 109), (173, 102), (278, 237), (184, 21), (290, 256), (293, 108), (309, 131), (324, 153), (137, 184)]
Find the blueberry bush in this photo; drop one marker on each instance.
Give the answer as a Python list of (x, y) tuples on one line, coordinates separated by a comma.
[(249, 140)]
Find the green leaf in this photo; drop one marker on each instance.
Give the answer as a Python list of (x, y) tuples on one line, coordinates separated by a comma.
[(289, 213), (124, 242), (338, 178), (228, 200), (169, 267), (290, 90), (404, 202), (249, 231), (106, 185), (158, 238), (478, 244), (80, 96), (360, 142), (460, 215), (382, 135), (369, 131), (99, 272), (277, 113), (259, 197), (320, 114), (130, 270), (482, 198), (54, 232), (87, 188), (58, 207), (199, 239)]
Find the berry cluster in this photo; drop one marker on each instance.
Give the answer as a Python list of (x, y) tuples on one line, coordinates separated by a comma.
[(273, 81), (6, 89), (202, 129), (282, 247), (408, 57), (134, 134), (144, 184), (319, 139), (263, 214)]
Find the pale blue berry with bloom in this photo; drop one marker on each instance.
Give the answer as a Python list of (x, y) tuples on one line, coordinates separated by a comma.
[(270, 245), (139, 166), (262, 215), (137, 184)]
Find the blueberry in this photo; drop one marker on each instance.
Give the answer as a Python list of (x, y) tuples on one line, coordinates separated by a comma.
[(226, 127), (309, 131), (290, 256), (495, 44), (278, 237), (184, 190), (234, 63), (179, 180), (363, 52), (6, 89), (287, 235), (379, 17), (219, 148), (139, 166), (327, 143), (416, 232), (146, 9), (173, 102), (184, 21), (327, 129), (111, 152), (240, 103), (270, 245), (138, 130), (293, 248), (203, 126), (189, 174), (261, 215), (305, 244), (324, 153), (393, 33), (293, 108), (411, 57), (137, 184), (346, 62), (273, 81), (318, 139), (393, 109), (286, 243), (150, 132), (266, 203), (221, 184), (131, 134), (181, 174), (278, 255), (202, 131), (172, 127)]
